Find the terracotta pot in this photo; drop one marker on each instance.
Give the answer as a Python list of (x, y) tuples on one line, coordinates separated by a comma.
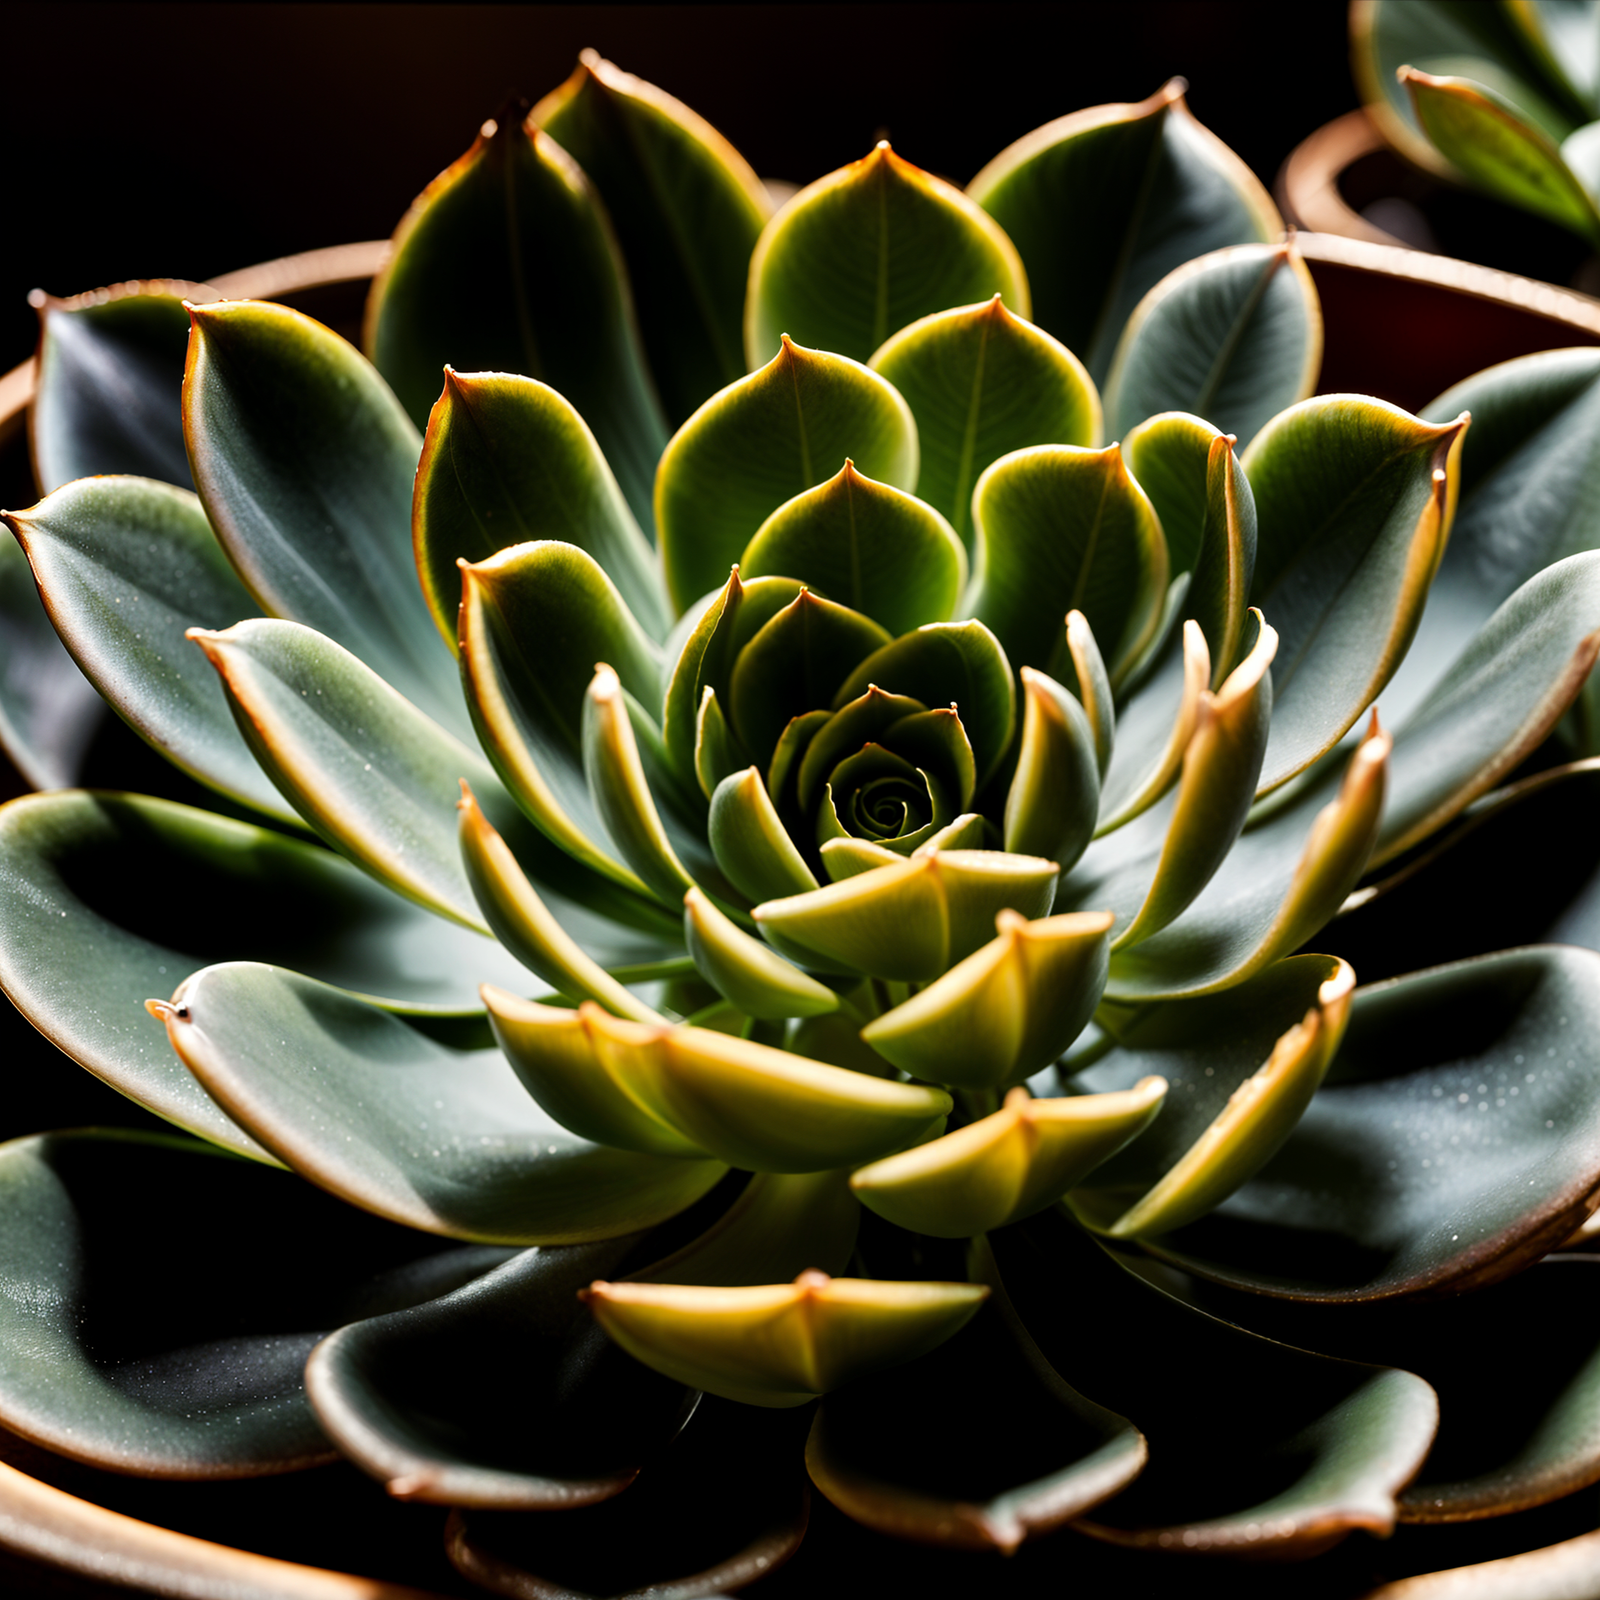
[(1400, 324)]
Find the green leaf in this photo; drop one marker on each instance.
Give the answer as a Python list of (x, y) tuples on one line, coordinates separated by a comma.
[(1234, 337), (1483, 135), (1055, 793), (815, 1334), (554, 305), (76, 897), (1005, 1166), (857, 255), (998, 1483), (753, 976), (784, 429), (1064, 529), (878, 550), (750, 842), (1354, 500), (1242, 1065), (484, 1397), (107, 392), (716, 752), (126, 566), (525, 925), (442, 1140), (1496, 705), (380, 781), (49, 711), (535, 619), (126, 1333), (1149, 873), (1320, 1448), (1004, 1012), (914, 920), (868, 717), (1104, 203), (957, 664), (982, 383), (795, 664), (1092, 686), (687, 211), (1348, 1211), (681, 1090), (304, 462), (507, 461)]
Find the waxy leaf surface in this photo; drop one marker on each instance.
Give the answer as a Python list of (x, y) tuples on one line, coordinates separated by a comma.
[(554, 305), (858, 254), (439, 1139)]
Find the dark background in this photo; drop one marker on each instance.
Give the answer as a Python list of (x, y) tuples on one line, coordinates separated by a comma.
[(186, 140)]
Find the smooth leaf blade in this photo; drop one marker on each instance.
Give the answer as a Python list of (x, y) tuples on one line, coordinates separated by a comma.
[(1234, 337), (125, 567), (556, 306), (1104, 203), (687, 210), (786, 428), (508, 461), (858, 255), (304, 462), (982, 383)]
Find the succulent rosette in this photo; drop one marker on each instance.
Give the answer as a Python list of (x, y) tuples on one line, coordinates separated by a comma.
[(819, 877)]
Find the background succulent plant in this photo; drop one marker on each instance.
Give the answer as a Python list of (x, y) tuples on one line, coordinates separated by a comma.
[(1503, 96), (914, 808)]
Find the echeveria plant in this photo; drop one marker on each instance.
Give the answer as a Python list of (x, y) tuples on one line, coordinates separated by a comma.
[(1503, 94), (766, 878)]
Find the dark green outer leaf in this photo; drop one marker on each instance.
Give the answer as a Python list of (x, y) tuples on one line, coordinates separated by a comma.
[(84, 941), (1234, 337), (125, 567), (505, 461), (131, 1342), (868, 249), (687, 211), (304, 462), (1104, 203), (443, 1140), (107, 392), (981, 383), (48, 710), (506, 263), (786, 428), (1456, 1138)]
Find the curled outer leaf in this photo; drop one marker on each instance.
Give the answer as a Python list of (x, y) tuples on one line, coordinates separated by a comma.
[(873, 548), (1482, 135), (533, 621), (780, 1344), (506, 461), (867, 249), (716, 751), (754, 977), (1007, 1010), (1354, 502), (612, 764), (699, 1090), (1008, 1165), (1062, 529), (914, 920), (525, 925), (1093, 687), (559, 310), (1250, 1129), (982, 383), (1054, 796), (1104, 203), (750, 842), (1234, 336), (784, 429), (687, 210)]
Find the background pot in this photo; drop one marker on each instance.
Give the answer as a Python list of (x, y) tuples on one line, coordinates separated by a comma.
[(1399, 324)]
